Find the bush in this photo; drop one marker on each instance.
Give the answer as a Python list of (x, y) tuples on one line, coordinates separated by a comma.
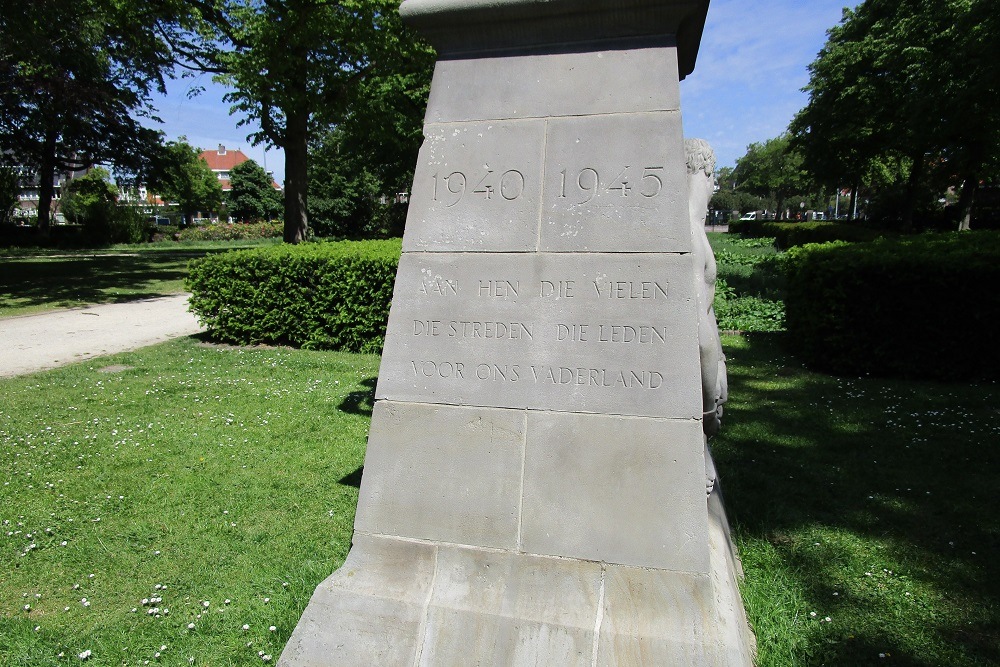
[(237, 231), (790, 234), (312, 295), (749, 312), (902, 308)]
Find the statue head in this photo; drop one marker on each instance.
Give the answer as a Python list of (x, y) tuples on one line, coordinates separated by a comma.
[(700, 157)]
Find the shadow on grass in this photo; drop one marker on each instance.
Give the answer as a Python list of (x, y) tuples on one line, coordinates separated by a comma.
[(362, 401), (839, 474), (70, 280), (353, 479)]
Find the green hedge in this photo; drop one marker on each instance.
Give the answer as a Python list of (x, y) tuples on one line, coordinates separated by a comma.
[(923, 307), (232, 231), (790, 234), (312, 295)]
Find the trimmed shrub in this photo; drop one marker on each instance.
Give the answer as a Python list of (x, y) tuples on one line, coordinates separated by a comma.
[(236, 231), (322, 296), (790, 234), (912, 308)]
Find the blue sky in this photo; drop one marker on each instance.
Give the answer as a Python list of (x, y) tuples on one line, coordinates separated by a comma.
[(745, 88)]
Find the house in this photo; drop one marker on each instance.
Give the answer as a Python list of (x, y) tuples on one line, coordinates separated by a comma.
[(29, 183), (222, 161)]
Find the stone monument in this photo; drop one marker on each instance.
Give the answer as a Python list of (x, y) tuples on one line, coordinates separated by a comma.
[(534, 489)]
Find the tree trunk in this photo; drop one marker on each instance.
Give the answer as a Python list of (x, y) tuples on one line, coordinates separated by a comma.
[(965, 201), (912, 183), (296, 183), (46, 173)]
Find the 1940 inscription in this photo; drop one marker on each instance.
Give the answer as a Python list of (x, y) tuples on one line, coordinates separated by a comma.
[(451, 188)]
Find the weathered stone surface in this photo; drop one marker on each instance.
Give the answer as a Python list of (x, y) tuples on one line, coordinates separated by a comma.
[(615, 183), (657, 617), (607, 333), (495, 607), (635, 78), (615, 490), (443, 473), (477, 187), (370, 611)]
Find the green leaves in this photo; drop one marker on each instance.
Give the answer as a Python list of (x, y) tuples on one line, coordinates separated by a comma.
[(181, 176), (901, 308), (773, 169), (315, 295), (902, 84), (253, 196)]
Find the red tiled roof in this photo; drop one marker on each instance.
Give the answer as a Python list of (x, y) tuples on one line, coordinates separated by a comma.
[(223, 159)]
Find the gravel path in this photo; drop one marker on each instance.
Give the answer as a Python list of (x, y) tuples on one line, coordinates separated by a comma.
[(37, 342)]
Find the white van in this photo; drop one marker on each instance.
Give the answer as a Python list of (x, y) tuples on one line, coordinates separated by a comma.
[(752, 215)]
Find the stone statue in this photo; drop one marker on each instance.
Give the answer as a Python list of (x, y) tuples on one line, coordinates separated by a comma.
[(714, 384)]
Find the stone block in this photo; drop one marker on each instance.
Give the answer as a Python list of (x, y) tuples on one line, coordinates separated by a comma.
[(477, 187), (605, 333), (445, 473), (616, 490), (370, 611), (637, 77), (615, 183), (529, 610), (656, 617)]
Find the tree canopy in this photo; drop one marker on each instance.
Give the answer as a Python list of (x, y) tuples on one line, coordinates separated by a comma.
[(253, 196), (297, 65), (772, 169), (180, 175), (75, 77), (89, 196), (907, 85)]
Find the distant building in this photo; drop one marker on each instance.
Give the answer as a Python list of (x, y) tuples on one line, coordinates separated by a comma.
[(30, 187), (222, 161)]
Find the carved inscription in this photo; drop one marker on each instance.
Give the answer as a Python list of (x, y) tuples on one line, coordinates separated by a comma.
[(580, 187), (562, 332), (555, 333), (450, 189), (586, 184)]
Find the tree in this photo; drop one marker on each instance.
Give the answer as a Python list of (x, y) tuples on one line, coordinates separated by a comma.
[(327, 49), (372, 150), (75, 75), (10, 188), (180, 175), (728, 199), (253, 196), (772, 169), (908, 83), (90, 197)]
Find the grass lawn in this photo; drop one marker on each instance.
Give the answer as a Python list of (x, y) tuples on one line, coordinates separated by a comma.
[(865, 512), (33, 281), (216, 484), (864, 509)]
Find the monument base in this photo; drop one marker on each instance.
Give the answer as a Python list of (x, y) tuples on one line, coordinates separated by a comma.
[(409, 602)]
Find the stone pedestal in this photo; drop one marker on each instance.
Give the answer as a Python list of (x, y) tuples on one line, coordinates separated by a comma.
[(534, 490)]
